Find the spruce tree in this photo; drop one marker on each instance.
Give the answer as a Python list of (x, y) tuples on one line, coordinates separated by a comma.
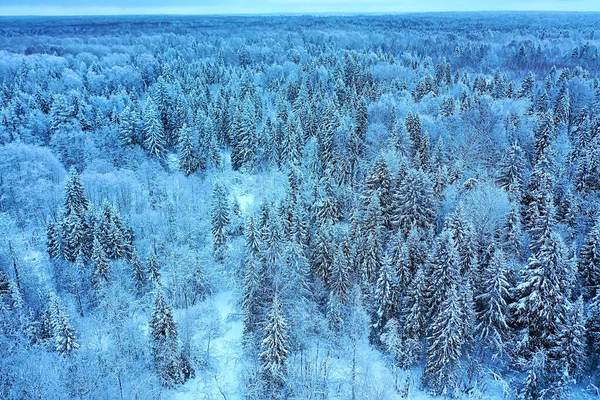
[(154, 268), (589, 262), (446, 348), (511, 174), (63, 334), (53, 240), (189, 161), (163, 331), (492, 328), (275, 351), (101, 266), (414, 202), (154, 135), (219, 220)]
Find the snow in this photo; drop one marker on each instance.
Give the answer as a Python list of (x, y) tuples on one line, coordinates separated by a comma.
[(220, 380)]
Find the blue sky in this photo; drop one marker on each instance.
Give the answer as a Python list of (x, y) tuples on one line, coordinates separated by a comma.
[(79, 7)]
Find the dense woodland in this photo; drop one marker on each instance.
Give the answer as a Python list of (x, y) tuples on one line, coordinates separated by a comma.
[(385, 206)]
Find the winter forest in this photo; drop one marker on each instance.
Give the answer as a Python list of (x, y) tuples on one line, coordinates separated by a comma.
[(271, 207)]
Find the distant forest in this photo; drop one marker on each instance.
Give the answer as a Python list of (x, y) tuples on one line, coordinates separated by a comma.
[(300, 207)]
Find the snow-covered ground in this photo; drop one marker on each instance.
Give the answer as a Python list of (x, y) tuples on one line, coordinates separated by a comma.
[(220, 379)]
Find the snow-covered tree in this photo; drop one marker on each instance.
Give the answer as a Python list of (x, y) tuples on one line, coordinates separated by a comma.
[(275, 351)]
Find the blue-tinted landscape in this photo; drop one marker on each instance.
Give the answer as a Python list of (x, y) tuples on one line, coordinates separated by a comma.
[(300, 207)]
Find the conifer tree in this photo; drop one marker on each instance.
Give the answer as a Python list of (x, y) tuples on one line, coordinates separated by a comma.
[(189, 161), (511, 172), (543, 295), (63, 334), (138, 272), (74, 230), (219, 220), (589, 262), (446, 349), (154, 268), (275, 350), (386, 296), (101, 266), (414, 202), (53, 240), (167, 360), (243, 128), (492, 327), (154, 135), (443, 271)]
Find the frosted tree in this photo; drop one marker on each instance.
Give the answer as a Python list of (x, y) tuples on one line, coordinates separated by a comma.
[(53, 240), (189, 161), (74, 230), (219, 211), (275, 350), (386, 296), (463, 236), (511, 173), (442, 271), (419, 140), (101, 266), (589, 261), (154, 268), (492, 302), (63, 334), (138, 272), (447, 338), (163, 333), (243, 153), (414, 202), (62, 114), (322, 253), (154, 136), (128, 127), (340, 275), (543, 294)]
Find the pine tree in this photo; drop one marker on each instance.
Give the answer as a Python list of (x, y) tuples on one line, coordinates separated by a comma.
[(442, 271), (340, 275), (189, 161), (128, 129), (589, 262), (512, 234), (138, 272), (62, 114), (53, 240), (101, 266), (414, 203), (252, 300), (167, 361), (154, 135), (322, 253), (154, 268), (415, 309), (444, 353), (562, 108), (243, 153), (492, 327), (63, 334), (275, 350), (74, 230), (568, 355), (463, 235), (511, 174), (219, 220), (386, 296), (543, 294)]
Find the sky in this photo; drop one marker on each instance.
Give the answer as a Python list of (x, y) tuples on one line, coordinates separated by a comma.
[(112, 7)]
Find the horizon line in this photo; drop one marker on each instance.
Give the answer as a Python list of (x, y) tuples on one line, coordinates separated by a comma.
[(282, 14)]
